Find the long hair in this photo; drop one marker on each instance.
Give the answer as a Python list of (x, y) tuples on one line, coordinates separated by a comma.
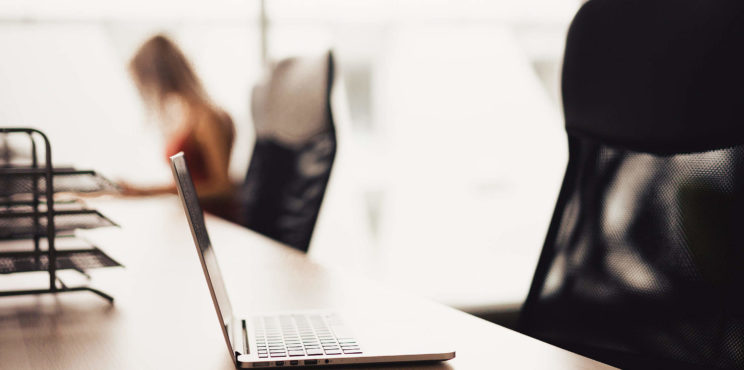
[(160, 69)]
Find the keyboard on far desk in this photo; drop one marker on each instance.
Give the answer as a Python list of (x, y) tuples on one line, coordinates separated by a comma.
[(302, 335)]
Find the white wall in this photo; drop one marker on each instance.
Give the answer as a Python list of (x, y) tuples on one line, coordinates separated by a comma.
[(455, 125)]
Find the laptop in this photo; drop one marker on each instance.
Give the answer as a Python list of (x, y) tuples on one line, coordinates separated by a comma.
[(289, 339)]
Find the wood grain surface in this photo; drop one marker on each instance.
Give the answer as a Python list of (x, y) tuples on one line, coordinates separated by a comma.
[(163, 316)]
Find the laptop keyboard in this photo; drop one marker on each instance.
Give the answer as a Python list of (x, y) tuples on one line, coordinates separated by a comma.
[(302, 335)]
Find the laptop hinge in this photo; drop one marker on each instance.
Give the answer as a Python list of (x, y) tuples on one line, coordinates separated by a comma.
[(240, 338)]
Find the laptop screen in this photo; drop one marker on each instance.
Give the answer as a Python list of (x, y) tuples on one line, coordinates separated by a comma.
[(187, 193)]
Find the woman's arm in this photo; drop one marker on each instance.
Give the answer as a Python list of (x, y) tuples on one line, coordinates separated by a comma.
[(215, 145), (127, 189)]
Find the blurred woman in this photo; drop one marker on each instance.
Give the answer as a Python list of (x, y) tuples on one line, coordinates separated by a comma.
[(188, 118)]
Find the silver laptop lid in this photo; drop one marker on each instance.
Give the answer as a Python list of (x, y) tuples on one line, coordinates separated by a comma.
[(187, 193)]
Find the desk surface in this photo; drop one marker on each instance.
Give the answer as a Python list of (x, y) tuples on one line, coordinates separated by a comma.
[(163, 316)]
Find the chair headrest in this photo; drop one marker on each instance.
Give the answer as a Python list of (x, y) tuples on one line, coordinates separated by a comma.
[(659, 76), (293, 103)]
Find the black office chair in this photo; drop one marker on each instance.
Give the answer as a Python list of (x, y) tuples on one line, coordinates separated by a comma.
[(643, 263), (294, 151)]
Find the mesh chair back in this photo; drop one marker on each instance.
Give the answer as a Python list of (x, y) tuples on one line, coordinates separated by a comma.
[(643, 264), (294, 151)]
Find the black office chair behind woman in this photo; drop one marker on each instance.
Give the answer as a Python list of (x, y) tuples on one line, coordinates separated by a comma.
[(294, 151), (643, 264)]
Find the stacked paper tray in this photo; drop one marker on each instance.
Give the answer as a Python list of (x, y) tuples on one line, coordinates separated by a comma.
[(80, 260), (24, 180), (21, 223)]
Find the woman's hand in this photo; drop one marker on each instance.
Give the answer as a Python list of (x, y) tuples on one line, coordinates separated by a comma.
[(128, 190)]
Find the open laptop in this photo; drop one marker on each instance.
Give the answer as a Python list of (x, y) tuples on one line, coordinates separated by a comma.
[(294, 338)]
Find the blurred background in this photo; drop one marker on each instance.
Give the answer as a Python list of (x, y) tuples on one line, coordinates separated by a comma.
[(453, 147)]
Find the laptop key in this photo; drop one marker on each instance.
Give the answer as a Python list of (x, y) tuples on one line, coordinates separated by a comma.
[(299, 335)]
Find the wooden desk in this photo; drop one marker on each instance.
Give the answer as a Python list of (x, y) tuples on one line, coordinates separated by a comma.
[(163, 317)]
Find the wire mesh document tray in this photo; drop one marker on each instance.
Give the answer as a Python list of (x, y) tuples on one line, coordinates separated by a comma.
[(22, 180), (80, 260), (31, 210), (24, 224)]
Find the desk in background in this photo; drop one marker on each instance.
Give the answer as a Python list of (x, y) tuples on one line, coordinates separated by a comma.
[(461, 172), (163, 316)]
